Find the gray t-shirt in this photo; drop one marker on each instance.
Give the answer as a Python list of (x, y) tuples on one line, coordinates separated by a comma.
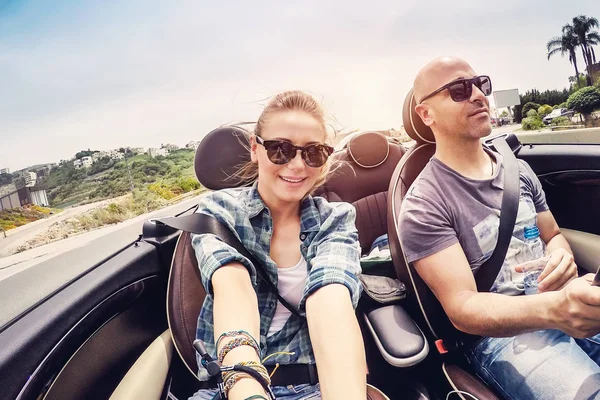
[(443, 207)]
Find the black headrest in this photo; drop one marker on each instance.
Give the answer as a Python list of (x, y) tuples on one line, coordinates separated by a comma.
[(219, 156), (413, 124), (369, 149)]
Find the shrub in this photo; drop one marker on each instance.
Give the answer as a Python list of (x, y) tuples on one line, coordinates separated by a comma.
[(585, 101), (532, 123), (188, 184), (563, 105), (561, 121), (529, 106), (544, 110), (532, 114)]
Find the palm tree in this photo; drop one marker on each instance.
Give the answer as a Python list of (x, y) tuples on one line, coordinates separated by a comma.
[(565, 45), (583, 28)]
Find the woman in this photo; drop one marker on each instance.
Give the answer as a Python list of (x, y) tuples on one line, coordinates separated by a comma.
[(309, 248)]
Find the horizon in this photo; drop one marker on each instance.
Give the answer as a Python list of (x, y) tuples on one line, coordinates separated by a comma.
[(104, 75)]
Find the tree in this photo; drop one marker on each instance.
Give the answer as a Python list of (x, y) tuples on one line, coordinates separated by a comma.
[(544, 110), (585, 101), (530, 106), (565, 45), (6, 179), (583, 29)]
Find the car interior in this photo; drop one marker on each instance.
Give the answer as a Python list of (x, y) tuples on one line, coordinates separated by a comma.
[(123, 328)]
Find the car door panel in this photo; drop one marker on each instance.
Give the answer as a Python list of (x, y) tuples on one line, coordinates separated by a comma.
[(586, 248), (570, 177), (106, 317)]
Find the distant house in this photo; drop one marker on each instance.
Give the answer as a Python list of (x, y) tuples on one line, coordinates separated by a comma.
[(5, 171), (154, 152), (137, 150), (30, 179), (77, 164), (86, 161), (115, 155), (192, 145), (99, 155), (170, 147)]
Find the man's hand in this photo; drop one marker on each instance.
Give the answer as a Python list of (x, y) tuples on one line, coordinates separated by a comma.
[(577, 311), (560, 269)]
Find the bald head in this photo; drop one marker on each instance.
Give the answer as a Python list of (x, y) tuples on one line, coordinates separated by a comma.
[(438, 72)]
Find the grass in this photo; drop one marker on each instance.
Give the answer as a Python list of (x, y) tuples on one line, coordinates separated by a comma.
[(10, 219)]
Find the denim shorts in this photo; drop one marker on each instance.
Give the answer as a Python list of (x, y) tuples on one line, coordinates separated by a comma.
[(291, 392)]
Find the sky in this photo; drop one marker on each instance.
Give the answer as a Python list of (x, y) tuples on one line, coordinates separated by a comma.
[(103, 74)]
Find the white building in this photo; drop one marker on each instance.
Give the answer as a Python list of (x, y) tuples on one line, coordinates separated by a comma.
[(86, 161), (77, 164), (170, 147), (192, 145), (5, 171), (30, 179), (154, 152), (99, 155)]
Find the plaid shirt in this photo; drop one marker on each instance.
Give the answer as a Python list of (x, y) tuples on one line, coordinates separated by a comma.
[(329, 245)]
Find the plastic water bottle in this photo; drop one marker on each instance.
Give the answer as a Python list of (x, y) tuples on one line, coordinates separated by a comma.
[(534, 250)]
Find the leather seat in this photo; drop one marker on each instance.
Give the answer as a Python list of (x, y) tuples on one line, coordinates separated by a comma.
[(361, 176), (185, 293), (422, 302)]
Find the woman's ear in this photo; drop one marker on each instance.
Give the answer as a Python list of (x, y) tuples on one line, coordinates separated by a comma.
[(253, 149)]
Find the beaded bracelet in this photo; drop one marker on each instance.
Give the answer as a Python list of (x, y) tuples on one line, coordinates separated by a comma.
[(235, 333), (230, 378), (256, 396), (237, 342)]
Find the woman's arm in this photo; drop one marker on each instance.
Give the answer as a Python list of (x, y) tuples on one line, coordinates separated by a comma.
[(337, 343), (236, 308)]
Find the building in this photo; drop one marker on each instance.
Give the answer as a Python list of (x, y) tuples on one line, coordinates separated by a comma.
[(30, 179), (154, 152), (170, 147), (86, 161), (192, 145), (99, 155), (22, 197), (5, 171)]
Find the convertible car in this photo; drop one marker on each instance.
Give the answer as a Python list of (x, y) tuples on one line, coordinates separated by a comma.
[(116, 319)]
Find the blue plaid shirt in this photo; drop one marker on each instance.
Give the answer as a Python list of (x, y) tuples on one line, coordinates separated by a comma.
[(329, 245)]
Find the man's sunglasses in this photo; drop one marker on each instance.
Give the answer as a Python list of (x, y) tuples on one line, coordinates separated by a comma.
[(281, 152), (462, 89)]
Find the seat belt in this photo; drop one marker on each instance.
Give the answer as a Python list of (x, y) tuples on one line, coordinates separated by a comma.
[(203, 223), (487, 273)]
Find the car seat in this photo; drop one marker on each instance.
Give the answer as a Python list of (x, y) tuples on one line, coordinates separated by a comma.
[(185, 293), (422, 303)]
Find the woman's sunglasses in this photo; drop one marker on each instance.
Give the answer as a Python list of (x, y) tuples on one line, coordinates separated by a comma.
[(281, 152), (462, 89)]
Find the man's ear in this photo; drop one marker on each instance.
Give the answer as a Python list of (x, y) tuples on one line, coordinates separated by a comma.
[(425, 113), (253, 149)]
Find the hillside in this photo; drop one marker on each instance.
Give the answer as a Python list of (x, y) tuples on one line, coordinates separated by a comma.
[(166, 177)]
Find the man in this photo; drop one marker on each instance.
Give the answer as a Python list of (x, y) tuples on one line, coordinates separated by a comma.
[(449, 228)]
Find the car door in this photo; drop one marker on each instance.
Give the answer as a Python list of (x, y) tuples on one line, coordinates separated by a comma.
[(568, 166), (71, 327)]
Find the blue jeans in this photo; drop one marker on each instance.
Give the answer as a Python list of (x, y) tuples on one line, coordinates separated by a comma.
[(546, 364), (298, 392)]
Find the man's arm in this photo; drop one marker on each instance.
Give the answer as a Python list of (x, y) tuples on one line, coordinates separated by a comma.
[(339, 353), (574, 310)]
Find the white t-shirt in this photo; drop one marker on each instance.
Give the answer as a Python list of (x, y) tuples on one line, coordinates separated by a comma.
[(290, 284)]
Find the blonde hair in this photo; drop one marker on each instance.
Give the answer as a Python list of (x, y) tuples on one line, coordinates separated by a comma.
[(291, 100)]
